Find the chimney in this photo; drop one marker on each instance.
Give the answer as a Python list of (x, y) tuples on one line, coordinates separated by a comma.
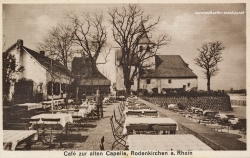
[(19, 44), (42, 53)]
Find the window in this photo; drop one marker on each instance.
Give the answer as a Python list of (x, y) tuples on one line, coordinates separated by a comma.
[(148, 81), (63, 87), (56, 88), (169, 81), (13, 64), (189, 84), (141, 48), (49, 86), (147, 49)]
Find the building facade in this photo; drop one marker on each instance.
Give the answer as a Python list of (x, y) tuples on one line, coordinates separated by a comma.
[(40, 74)]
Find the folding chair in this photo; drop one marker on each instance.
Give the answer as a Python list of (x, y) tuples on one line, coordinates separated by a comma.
[(137, 128), (164, 128), (120, 111), (101, 145), (122, 106), (151, 113), (118, 122), (119, 139), (51, 126)]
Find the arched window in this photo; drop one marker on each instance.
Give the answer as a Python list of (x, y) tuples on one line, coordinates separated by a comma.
[(141, 48)]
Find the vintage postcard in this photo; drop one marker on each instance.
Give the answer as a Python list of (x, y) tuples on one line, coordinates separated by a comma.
[(124, 79)]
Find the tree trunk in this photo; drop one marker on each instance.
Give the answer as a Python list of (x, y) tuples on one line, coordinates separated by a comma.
[(208, 83), (128, 88), (77, 90)]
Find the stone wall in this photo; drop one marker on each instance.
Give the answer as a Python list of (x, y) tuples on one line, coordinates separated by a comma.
[(219, 103)]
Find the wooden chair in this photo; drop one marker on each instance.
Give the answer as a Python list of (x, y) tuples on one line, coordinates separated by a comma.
[(151, 113), (137, 128), (101, 145), (164, 128), (119, 138)]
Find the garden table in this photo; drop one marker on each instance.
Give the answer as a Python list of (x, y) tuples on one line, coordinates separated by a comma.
[(29, 106), (141, 110), (74, 112), (12, 137), (64, 118), (183, 142), (149, 121)]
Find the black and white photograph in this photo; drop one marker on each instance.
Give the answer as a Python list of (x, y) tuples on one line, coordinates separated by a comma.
[(124, 79)]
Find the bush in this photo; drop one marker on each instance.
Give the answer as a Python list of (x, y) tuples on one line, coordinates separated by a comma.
[(181, 106)]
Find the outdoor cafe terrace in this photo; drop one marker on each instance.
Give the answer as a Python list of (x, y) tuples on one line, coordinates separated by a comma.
[(127, 125)]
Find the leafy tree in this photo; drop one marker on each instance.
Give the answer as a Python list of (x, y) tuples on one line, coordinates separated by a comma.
[(10, 70), (208, 58)]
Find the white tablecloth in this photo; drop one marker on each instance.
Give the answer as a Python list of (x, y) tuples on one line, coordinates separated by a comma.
[(64, 118), (29, 106), (12, 137), (184, 142), (141, 110), (148, 120), (81, 113)]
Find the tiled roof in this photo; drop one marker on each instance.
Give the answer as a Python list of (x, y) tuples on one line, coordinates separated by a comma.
[(81, 66), (46, 62), (144, 39), (169, 66)]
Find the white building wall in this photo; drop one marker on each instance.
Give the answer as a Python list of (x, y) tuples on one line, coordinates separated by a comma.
[(164, 83), (36, 72), (120, 80), (33, 69)]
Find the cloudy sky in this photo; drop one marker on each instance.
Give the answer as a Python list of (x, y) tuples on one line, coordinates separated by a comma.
[(188, 31)]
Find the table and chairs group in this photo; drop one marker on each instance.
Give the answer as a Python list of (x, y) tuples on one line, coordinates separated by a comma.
[(139, 127), (48, 126)]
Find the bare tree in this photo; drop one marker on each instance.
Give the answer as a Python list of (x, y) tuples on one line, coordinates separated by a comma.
[(90, 35), (128, 31), (58, 44), (209, 57)]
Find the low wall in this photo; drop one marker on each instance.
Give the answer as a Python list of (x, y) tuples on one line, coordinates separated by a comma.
[(221, 103), (238, 102)]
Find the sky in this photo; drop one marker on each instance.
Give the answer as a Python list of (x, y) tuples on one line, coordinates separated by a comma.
[(188, 30)]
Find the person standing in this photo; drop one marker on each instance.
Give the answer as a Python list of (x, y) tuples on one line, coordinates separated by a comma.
[(99, 99)]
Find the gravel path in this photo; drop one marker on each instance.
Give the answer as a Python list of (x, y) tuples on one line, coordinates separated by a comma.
[(89, 136)]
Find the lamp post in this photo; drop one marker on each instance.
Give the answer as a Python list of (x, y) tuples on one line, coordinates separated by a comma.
[(51, 70)]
